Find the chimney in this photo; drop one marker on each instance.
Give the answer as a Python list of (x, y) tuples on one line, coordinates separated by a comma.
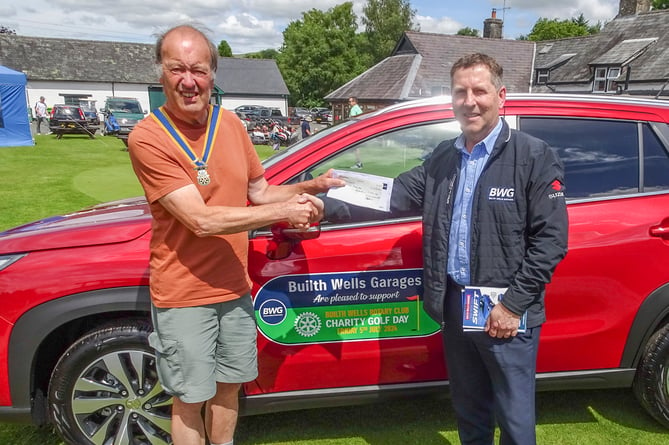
[(633, 7), (492, 27)]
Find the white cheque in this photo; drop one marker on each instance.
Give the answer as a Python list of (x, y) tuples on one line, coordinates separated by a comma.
[(364, 190)]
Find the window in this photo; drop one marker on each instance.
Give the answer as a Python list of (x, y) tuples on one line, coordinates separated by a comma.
[(655, 162), (601, 157), (542, 76), (605, 79), (390, 154), (439, 90)]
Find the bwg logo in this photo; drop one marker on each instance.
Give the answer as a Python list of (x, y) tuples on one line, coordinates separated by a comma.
[(272, 312), (501, 193)]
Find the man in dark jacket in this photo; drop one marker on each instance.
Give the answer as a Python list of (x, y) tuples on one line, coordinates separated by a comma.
[(494, 214)]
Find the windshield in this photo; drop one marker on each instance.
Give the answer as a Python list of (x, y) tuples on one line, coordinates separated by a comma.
[(125, 106)]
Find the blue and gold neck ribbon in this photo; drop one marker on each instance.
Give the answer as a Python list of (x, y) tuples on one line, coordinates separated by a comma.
[(200, 163)]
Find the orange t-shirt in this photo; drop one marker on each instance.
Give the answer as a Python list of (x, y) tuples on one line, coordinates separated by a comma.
[(187, 270)]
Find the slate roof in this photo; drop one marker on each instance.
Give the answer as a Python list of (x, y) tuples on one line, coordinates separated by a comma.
[(78, 60), (421, 62), (48, 59), (640, 42), (247, 77)]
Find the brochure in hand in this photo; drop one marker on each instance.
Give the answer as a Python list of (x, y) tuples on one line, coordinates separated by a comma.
[(477, 302)]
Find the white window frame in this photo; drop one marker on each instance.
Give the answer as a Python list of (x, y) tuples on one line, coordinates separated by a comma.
[(543, 76), (605, 79)]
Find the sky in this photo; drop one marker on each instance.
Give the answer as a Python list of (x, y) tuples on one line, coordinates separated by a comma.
[(254, 25)]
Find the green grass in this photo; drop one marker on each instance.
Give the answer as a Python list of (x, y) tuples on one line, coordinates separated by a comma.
[(565, 418), (58, 176), (61, 176)]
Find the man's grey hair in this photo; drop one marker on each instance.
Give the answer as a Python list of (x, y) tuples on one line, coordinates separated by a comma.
[(199, 29)]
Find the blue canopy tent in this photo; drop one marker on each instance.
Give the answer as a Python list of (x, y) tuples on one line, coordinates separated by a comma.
[(14, 124)]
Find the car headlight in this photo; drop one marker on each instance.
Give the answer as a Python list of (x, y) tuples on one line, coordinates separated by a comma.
[(7, 260)]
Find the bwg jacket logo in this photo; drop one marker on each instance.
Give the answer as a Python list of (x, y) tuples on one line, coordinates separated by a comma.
[(501, 193)]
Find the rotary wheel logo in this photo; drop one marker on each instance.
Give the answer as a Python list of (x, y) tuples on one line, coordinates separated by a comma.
[(307, 324)]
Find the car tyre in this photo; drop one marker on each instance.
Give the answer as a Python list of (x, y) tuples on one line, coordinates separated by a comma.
[(651, 382), (105, 389)]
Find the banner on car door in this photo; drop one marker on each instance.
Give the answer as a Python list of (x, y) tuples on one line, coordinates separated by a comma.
[(312, 308)]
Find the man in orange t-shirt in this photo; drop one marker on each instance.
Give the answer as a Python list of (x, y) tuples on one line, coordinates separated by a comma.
[(199, 169)]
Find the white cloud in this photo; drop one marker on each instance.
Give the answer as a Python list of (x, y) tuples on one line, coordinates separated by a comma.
[(443, 25), (252, 25), (592, 10)]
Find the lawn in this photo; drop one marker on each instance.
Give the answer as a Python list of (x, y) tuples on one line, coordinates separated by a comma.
[(59, 176)]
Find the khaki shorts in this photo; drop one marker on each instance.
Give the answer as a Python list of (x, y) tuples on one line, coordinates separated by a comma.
[(199, 346)]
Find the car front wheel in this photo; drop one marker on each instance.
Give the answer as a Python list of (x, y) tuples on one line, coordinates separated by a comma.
[(651, 383), (105, 389)]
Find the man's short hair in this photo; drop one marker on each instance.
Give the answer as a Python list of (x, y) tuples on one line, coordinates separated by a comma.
[(470, 60), (213, 52)]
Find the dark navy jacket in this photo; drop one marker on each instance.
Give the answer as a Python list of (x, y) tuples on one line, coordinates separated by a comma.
[(519, 220)]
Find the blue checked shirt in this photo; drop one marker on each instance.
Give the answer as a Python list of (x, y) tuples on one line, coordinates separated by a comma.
[(471, 166)]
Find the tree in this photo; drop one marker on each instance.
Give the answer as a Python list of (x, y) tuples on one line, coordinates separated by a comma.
[(660, 4), (224, 49), (6, 30), (385, 21), (581, 21), (263, 54), (467, 31), (545, 29), (320, 53)]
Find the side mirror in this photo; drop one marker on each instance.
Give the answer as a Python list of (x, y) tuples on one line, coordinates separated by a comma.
[(285, 237)]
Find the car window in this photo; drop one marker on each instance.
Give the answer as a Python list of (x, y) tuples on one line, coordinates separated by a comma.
[(391, 153), (601, 157), (655, 162)]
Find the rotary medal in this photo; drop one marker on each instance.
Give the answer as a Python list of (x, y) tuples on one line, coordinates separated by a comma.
[(200, 163), (202, 176)]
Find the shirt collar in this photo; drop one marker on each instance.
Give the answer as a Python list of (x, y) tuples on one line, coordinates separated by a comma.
[(488, 142)]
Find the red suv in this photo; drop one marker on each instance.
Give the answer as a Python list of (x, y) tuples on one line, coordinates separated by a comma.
[(339, 308)]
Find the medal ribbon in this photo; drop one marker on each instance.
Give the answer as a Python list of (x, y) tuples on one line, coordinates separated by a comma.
[(213, 124)]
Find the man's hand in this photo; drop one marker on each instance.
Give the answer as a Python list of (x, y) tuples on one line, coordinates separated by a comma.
[(304, 209), (502, 323), (325, 182), (319, 207)]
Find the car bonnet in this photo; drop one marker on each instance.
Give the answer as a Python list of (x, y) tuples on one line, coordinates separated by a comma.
[(107, 223)]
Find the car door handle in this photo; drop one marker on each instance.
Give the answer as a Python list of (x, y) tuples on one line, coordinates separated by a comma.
[(661, 230)]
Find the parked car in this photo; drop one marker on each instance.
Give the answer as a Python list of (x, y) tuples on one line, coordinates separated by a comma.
[(247, 121), (91, 113), (69, 119), (272, 114), (126, 111), (247, 108), (323, 116), (338, 308), (315, 110), (300, 112)]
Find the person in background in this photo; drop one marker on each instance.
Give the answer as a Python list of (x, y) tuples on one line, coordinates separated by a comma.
[(474, 236), (198, 188), (40, 113), (355, 110), (306, 128)]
